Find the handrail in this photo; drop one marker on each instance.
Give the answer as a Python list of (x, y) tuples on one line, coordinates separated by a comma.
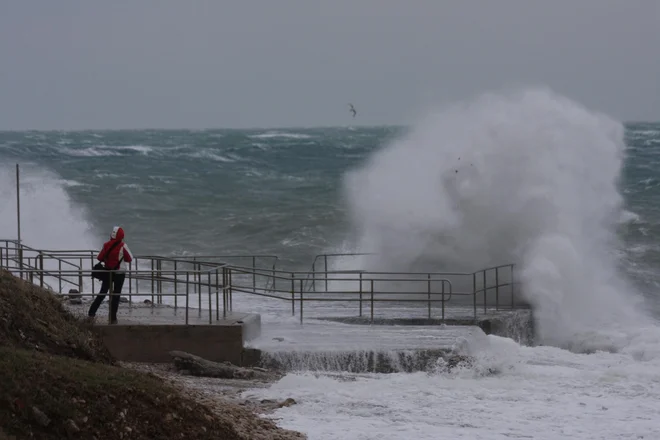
[(484, 286)]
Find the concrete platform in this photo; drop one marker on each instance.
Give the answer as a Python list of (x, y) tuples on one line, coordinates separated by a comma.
[(147, 334), (387, 345), (515, 324)]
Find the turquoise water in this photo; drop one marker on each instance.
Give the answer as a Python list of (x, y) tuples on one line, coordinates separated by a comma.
[(242, 191), (204, 192)]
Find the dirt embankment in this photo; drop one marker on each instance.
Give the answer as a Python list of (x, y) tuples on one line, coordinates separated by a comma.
[(58, 381)]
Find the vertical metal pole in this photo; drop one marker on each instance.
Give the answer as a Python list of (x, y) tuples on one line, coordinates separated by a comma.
[(325, 259), (230, 292), (224, 292), (474, 293), (254, 274), (176, 279), (372, 301), (217, 296), (513, 285), (187, 293), (41, 268), (314, 275), (153, 301), (443, 301), (18, 219), (485, 309), (429, 294), (360, 294), (111, 295), (293, 295), (301, 301), (497, 288), (159, 282), (274, 279), (210, 307), (199, 288), (80, 276), (137, 279)]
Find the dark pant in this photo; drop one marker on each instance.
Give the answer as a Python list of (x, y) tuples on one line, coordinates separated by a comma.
[(117, 284)]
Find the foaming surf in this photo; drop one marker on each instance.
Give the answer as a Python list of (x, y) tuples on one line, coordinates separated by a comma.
[(527, 177), (50, 219)]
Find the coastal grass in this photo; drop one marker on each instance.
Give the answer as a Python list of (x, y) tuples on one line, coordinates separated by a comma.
[(58, 381)]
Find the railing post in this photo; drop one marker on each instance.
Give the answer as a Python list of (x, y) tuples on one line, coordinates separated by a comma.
[(199, 287), (230, 291), (443, 301), (485, 300), (254, 274), (137, 279), (314, 275), (497, 288), (159, 281), (513, 286), (176, 284), (187, 293), (41, 268), (325, 259), (372, 301), (80, 274), (153, 299), (274, 277), (59, 278), (224, 291), (111, 294), (217, 296), (429, 295), (474, 294), (210, 308), (360, 294), (301, 301), (293, 295)]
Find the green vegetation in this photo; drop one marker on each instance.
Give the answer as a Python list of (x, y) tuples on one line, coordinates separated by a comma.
[(58, 381)]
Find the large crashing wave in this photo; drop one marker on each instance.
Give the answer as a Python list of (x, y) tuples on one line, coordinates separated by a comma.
[(527, 177)]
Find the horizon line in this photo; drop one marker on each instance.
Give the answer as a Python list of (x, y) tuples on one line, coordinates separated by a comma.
[(283, 127)]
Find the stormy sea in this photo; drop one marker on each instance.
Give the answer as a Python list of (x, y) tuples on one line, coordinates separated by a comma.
[(572, 196)]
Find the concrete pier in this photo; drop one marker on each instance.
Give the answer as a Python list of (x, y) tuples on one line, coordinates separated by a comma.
[(148, 334)]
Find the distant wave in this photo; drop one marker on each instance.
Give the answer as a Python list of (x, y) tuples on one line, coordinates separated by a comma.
[(277, 134)]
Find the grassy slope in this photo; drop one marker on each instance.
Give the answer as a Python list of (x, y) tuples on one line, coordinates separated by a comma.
[(53, 365)]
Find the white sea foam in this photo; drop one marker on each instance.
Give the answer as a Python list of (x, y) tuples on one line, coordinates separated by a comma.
[(528, 177), (105, 150), (511, 392), (50, 219), (277, 134), (211, 155)]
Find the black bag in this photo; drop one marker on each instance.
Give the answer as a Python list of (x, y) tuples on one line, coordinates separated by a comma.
[(99, 268)]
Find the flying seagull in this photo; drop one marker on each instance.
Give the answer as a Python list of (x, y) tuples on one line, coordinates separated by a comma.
[(352, 109)]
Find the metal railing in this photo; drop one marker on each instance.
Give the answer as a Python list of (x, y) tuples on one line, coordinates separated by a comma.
[(53, 264), (206, 278), (490, 288), (213, 283), (187, 281)]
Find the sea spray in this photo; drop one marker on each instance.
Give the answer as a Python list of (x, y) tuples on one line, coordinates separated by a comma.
[(528, 177), (50, 219)]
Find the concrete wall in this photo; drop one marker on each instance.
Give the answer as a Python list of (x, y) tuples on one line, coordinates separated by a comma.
[(152, 343)]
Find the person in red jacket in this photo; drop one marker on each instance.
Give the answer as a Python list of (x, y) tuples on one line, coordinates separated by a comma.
[(113, 254)]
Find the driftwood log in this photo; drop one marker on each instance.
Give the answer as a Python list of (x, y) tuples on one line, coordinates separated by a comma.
[(197, 366)]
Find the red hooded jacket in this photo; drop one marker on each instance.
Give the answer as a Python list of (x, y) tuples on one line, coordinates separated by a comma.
[(120, 253)]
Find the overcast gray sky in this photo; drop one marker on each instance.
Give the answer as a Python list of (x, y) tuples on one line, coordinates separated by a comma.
[(68, 64)]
